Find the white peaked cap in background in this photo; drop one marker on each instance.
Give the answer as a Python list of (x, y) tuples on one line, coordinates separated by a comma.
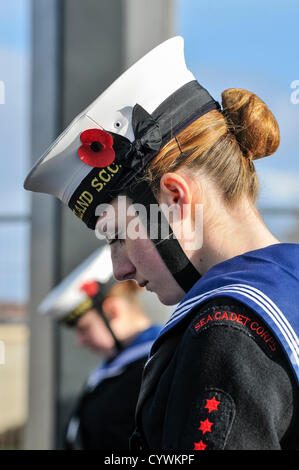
[(148, 82), (67, 295)]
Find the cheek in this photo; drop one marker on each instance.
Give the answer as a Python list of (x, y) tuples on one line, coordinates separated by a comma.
[(151, 267), (95, 336), (143, 254)]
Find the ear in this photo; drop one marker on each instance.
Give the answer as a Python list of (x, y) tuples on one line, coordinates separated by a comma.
[(112, 307), (174, 189)]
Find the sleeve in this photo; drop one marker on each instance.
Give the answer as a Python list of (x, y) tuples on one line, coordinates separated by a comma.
[(230, 389)]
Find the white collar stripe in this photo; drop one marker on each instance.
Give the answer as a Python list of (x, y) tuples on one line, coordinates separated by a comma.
[(186, 305), (234, 287), (126, 357), (256, 296)]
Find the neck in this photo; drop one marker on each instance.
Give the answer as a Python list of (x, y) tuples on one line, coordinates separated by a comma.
[(141, 324), (232, 233), (136, 323)]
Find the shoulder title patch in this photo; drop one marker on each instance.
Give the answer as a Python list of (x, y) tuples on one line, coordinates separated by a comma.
[(253, 326)]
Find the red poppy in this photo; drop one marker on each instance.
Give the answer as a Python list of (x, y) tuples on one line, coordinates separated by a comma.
[(90, 288), (97, 148)]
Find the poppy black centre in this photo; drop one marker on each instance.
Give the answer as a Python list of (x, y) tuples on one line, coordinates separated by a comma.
[(96, 146)]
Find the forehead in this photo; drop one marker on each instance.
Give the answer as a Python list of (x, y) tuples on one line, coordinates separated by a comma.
[(123, 219), (114, 213)]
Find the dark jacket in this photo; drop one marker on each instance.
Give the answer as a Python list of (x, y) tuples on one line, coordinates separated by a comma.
[(107, 413), (218, 380), (104, 418)]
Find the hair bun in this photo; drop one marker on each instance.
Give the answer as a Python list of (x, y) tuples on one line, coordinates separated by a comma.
[(252, 123)]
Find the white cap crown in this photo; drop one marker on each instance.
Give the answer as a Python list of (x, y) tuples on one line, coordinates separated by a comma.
[(148, 82)]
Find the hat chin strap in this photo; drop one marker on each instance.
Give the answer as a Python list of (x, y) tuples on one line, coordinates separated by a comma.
[(97, 305), (169, 248)]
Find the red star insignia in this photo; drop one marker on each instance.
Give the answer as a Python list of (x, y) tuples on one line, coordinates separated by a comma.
[(205, 426), (199, 445), (212, 404)]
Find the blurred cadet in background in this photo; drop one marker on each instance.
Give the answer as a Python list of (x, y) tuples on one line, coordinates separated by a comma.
[(108, 319)]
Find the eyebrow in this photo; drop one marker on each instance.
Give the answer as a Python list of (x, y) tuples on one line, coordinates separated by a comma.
[(103, 225)]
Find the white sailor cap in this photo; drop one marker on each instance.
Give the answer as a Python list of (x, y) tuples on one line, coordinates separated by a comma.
[(113, 140), (75, 295)]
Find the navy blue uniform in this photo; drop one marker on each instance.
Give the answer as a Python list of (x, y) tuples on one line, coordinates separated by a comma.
[(223, 373), (104, 417)]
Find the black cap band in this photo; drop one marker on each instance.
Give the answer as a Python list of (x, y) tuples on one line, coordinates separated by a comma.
[(94, 302)]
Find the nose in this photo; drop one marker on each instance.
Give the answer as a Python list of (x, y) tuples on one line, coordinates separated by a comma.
[(123, 269)]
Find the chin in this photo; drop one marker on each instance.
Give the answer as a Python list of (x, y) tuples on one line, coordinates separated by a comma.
[(102, 350), (169, 298)]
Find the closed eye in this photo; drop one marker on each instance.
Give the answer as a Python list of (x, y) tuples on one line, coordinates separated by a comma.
[(117, 238)]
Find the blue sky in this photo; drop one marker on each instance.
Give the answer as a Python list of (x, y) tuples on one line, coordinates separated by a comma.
[(14, 146), (14, 24), (14, 114), (250, 44), (247, 35)]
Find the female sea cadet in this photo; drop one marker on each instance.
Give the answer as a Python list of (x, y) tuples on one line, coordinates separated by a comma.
[(223, 373)]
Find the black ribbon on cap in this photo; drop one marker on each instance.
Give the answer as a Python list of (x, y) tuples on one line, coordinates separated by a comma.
[(148, 141)]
